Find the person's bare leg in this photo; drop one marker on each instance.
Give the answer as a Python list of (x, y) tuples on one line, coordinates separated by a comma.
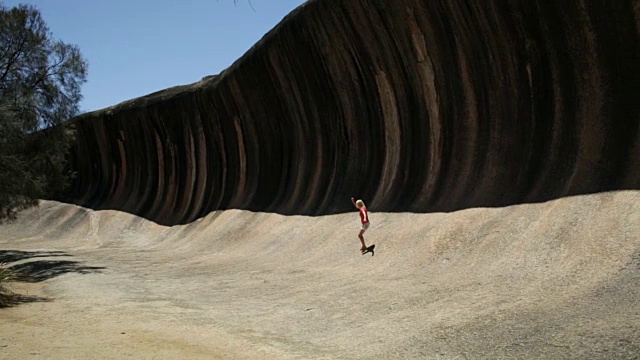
[(364, 247)]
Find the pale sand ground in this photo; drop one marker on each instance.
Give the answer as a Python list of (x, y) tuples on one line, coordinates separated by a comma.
[(542, 281)]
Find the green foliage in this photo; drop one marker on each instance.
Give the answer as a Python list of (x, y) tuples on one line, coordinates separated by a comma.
[(40, 80)]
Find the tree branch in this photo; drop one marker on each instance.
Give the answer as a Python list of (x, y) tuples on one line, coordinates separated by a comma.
[(14, 57)]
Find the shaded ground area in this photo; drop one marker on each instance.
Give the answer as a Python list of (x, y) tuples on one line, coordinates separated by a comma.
[(557, 280), (41, 270), (9, 256), (18, 299), (31, 271)]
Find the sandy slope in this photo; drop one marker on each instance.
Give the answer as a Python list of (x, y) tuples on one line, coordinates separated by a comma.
[(554, 280)]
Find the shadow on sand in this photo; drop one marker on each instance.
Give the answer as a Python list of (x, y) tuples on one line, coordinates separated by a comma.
[(38, 270), (11, 299), (9, 256)]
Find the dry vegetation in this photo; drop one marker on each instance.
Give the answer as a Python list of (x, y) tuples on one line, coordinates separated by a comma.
[(6, 277)]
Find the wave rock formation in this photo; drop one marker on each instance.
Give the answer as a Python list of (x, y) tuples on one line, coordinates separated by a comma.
[(412, 105)]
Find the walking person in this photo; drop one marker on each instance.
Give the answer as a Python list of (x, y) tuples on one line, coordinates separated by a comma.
[(364, 219)]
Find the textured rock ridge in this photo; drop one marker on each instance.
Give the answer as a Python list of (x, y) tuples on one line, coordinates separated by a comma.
[(413, 105)]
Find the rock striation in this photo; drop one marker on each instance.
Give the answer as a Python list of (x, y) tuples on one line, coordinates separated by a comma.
[(412, 105)]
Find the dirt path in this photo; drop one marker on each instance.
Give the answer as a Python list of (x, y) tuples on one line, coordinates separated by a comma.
[(557, 280)]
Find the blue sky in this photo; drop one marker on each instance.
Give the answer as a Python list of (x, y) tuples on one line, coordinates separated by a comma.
[(135, 47)]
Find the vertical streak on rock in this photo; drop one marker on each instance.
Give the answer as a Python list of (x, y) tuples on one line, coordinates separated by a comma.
[(465, 151), (167, 199), (297, 132), (200, 171), (431, 100), (560, 152), (218, 166), (113, 173), (356, 115), (252, 142), (146, 174), (494, 114), (106, 174), (589, 88), (120, 169), (330, 123), (160, 181), (314, 184), (523, 58), (392, 140), (240, 189), (84, 160), (171, 194), (188, 162)]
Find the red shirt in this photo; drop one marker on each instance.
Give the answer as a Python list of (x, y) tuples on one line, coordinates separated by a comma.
[(364, 215)]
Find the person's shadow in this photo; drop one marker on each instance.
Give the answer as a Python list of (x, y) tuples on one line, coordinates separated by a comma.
[(369, 250)]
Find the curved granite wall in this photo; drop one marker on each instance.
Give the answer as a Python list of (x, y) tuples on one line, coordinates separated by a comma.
[(412, 105)]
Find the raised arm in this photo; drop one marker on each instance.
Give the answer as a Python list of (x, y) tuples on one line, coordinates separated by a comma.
[(354, 202)]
